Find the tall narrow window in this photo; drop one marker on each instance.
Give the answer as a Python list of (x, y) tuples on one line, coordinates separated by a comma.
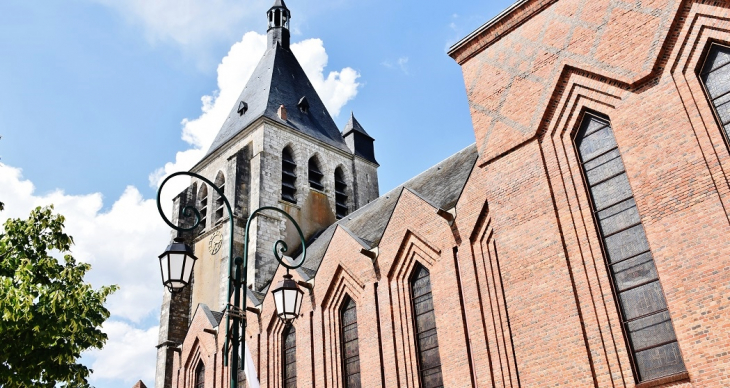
[(350, 349), (715, 75), (427, 345), (340, 193), (200, 375), (634, 276), (289, 357), (288, 176), (220, 182), (315, 174), (203, 205)]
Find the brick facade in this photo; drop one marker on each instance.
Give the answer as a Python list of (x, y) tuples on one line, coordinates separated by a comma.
[(521, 288)]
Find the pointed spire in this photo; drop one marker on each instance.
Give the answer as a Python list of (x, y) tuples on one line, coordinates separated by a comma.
[(354, 125), (278, 19), (359, 141)]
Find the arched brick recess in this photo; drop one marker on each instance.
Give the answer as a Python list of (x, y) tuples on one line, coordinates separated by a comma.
[(496, 339), (343, 283), (412, 249)]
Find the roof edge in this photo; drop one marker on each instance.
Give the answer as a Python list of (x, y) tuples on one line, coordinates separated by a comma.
[(487, 27)]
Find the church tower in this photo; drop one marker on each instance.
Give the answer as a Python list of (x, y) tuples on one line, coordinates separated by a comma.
[(278, 147)]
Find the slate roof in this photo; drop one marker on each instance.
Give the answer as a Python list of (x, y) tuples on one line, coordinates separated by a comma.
[(354, 125), (280, 80), (440, 185)]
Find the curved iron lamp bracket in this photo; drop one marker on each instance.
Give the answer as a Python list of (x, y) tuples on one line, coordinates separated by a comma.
[(237, 283)]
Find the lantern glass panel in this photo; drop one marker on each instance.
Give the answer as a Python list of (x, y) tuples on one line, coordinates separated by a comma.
[(279, 301), (189, 263), (300, 295), (165, 268), (176, 265), (290, 299)]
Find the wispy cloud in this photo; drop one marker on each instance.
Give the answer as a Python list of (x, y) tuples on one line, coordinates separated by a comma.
[(400, 63)]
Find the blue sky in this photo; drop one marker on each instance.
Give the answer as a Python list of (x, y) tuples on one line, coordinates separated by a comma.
[(93, 94)]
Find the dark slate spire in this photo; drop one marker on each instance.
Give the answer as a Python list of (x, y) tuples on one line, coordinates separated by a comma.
[(359, 141), (278, 17), (280, 80)]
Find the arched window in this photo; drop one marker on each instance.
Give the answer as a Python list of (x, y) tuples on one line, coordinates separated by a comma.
[(654, 348), (220, 182), (350, 349), (200, 375), (289, 357), (715, 76), (288, 176), (340, 193), (427, 345), (203, 205), (315, 174)]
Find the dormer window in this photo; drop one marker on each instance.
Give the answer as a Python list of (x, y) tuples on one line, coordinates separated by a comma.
[(303, 105), (288, 176), (340, 194), (315, 174)]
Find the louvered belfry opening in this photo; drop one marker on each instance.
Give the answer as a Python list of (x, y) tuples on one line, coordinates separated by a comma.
[(200, 375), (288, 176), (429, 361), (715, 76), (340, 194), (289, 357), (203, 206), (634, 276), (350, 346), (219, 204), (315, 174)]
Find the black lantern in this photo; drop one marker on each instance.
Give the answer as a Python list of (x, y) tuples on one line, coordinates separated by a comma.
[(288, 299), (176, 265)]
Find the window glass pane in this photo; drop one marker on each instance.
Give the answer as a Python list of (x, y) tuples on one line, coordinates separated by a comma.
[(642, 300), (611, 192), (660, 361), (627, 243), (606, 170), (619, 217), (651, 331), (634, 271)]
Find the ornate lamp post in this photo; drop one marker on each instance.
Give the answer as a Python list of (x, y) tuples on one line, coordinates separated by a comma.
[(176, 265)]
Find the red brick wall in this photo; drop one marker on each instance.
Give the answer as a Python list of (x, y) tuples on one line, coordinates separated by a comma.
[(521, 291)]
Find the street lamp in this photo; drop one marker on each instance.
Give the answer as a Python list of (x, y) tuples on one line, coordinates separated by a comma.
[(288, 299), (176, 265)]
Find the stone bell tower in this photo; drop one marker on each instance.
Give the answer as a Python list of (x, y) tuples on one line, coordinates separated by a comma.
[(278, 147)]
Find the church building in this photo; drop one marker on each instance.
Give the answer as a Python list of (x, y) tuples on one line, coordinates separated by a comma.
[(583, 240)]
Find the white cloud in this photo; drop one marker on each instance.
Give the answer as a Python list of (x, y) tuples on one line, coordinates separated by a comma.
[(126, 356), (335, 89)]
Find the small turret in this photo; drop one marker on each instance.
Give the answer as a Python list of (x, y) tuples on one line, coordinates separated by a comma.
[(359, 142), (278, 17)]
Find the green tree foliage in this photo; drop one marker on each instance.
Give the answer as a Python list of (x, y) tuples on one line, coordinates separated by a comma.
[(49, 314)]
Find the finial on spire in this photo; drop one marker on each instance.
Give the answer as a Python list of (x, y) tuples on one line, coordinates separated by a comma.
[(278, 18)]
